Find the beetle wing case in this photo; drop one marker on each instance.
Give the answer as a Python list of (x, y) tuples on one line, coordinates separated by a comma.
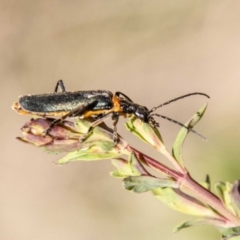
[(62, 102)]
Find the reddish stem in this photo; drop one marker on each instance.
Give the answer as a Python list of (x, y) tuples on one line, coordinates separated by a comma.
[(187, 184), (157, 165)]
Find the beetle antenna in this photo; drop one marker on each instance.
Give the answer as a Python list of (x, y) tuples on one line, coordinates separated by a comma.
[(178, 123), (175, 99)]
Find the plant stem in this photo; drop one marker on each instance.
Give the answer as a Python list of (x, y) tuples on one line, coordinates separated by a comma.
[(173, 161), (195, 189), (157, 165), (189, 185)]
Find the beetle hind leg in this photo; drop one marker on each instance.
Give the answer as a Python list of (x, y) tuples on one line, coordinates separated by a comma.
[(92, 126), (115, 118)]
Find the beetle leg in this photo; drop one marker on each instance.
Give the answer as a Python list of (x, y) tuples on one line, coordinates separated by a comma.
[(60, 85), (55, 122), (120, 93), (115, 118), (93, 124)]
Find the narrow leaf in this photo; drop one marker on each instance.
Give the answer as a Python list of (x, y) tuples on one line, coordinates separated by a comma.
[(224, 189), (235, 196), (197, 222), (122, 166), (132, 167), (145, 132), (178, 144), (231, 233), (142, 184), (177, 200), (98, 151)]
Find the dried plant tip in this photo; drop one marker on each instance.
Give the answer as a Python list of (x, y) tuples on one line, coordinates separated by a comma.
[(65, 137)]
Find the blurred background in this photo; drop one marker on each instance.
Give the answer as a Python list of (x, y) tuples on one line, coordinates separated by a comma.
[(152, 51)]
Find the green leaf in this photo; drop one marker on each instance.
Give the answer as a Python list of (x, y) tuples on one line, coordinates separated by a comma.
[(177, 200), (178, 144), (142, 184), (231, 233), (235, 196), (98, 133), (122, 168), (220, 188), (98, 150), (225, 192), (132, 167), (198, 222), (145, 132), (82, 125)]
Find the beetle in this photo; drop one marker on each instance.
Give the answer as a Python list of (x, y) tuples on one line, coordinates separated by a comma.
[(97, 104)]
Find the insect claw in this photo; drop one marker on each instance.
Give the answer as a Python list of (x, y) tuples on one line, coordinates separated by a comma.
[(115, 139)]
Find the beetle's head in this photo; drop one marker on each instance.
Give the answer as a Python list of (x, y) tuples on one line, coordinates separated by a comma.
[(143, 114)]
